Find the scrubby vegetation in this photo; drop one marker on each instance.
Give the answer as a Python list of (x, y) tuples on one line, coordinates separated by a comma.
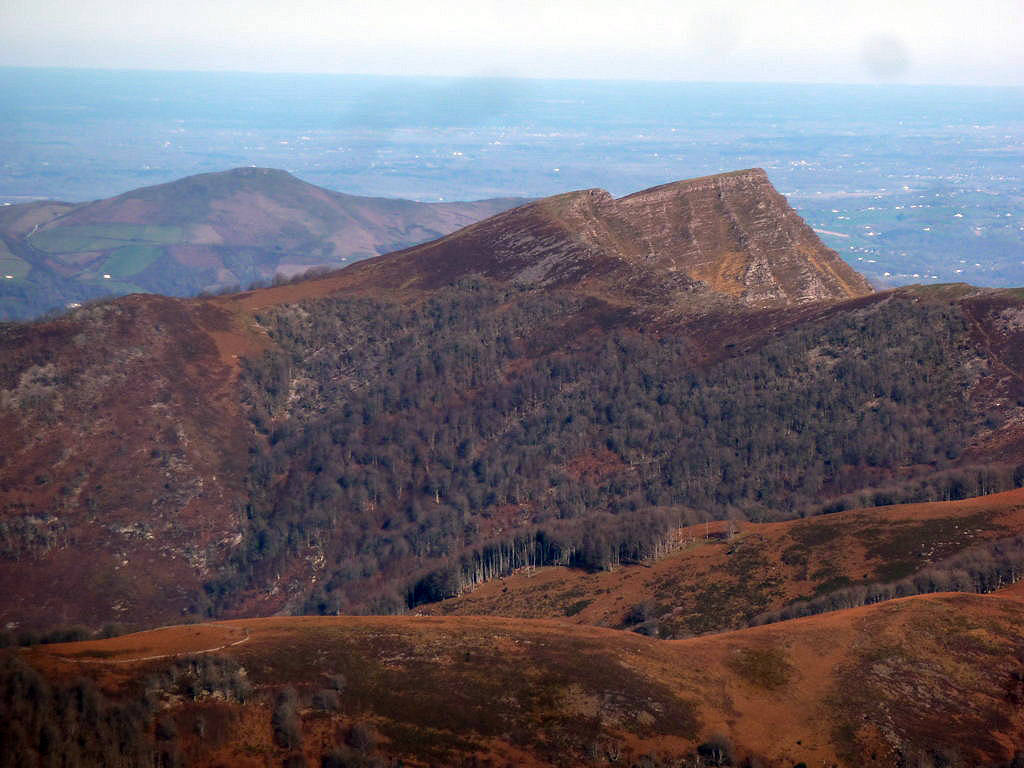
[(67, 725), (981, 569), (76, 724), (384, 692), (27, 637)]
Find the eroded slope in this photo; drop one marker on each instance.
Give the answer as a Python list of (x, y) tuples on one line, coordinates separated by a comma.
[(124, 461)]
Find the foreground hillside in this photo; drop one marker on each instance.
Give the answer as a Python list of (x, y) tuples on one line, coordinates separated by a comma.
[(726, 575), (567, 383), (923, 681), (206, 232)]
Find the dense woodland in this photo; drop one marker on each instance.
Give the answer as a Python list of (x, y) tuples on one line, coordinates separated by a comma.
[(491, 427)]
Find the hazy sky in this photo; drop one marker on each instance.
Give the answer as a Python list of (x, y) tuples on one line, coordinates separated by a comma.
[(914, 41)]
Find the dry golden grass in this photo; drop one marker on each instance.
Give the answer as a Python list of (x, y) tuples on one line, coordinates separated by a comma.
[(929, 672), (713, 583)]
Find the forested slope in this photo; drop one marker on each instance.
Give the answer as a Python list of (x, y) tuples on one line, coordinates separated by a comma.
[(568, 382), (491, 428)]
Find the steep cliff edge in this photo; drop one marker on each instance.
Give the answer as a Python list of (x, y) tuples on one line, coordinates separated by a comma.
[(735, 233), (732, 234)]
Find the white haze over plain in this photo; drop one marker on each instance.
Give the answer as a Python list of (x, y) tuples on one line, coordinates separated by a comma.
[(911, 41)]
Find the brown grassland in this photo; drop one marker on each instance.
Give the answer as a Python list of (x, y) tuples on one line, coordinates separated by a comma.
[(866, 686), (716, 581)]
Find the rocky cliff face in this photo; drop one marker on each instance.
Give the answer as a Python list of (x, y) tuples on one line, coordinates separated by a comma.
[(731, 234), (735, 233)]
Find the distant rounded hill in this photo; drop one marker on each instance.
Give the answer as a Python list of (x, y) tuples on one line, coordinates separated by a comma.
[(207, 232), (568, 381)]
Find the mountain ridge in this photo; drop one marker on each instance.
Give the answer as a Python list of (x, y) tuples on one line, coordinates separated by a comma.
[(930, 680), (730, 234), (648, 391)]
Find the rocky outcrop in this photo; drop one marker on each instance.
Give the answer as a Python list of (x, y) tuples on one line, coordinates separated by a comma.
[(732, 234), (738, 235)]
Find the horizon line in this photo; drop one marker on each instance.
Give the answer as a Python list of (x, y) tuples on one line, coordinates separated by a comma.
[(504, 77)]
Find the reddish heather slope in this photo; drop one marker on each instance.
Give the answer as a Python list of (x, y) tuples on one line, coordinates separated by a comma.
[(921, 679)]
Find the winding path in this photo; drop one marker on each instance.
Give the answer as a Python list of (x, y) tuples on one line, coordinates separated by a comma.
[(153, 658)]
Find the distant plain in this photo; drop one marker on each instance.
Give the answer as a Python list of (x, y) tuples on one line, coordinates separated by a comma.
[(910, 184)]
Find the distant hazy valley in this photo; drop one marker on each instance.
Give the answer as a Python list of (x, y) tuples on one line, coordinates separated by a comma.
[(910, 184)]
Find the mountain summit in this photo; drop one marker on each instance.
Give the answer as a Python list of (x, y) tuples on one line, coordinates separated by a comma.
[(730, 234)]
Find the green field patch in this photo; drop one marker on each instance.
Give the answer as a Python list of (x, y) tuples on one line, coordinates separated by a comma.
[(122, 288), (12, 265), (130, 260), (79, 258), (103, 237)]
